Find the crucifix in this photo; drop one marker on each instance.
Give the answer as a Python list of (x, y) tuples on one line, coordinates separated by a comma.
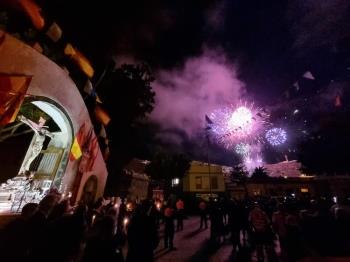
[(41, 132)]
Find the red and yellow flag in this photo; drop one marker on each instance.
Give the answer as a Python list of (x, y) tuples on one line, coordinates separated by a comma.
[(33, 11), (76, 150), (13, 89), (79, 59)]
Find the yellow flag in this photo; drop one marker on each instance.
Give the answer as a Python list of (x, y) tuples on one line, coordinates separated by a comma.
[(75, 150)]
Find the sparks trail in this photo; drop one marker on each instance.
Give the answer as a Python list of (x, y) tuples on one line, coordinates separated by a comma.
[(241, 123)]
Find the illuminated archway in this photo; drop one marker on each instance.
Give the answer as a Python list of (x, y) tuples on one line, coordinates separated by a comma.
[(47, 169)]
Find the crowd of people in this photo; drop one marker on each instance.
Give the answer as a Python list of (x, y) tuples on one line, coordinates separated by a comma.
[(301, 227), (120, 231), (56, 231)]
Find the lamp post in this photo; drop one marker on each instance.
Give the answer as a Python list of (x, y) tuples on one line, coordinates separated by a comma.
[(207, 129), (209, 171)]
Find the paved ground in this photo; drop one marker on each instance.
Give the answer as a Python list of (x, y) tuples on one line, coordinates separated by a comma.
[(193, 245)]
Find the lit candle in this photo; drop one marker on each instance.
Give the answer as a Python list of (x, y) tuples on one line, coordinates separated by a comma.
[(126, 221)]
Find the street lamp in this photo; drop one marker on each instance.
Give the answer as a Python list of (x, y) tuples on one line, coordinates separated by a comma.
[(207, 129)]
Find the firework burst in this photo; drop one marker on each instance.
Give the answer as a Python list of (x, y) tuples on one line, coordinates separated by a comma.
[(276, 136), (242, 149), (241, 123)]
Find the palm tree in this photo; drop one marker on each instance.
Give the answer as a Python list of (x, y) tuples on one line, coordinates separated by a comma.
[(239, 175), (259, 173)]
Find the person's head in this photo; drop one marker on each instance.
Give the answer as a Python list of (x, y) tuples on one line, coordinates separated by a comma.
[(59, 210), (41, 122), (313, 204), (281, 207), (104, 227), (47, 203), (112, 212), (99, 202), (28, 210)]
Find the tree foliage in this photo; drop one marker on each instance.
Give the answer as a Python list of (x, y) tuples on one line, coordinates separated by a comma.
[(127, 93), (239, 173), (128, 98), (259, 173), (165, 166)]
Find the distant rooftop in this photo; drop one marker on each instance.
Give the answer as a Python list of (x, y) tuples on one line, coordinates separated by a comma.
[(284, 169)]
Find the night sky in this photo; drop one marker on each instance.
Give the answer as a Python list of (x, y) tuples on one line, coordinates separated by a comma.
[(267, 44)]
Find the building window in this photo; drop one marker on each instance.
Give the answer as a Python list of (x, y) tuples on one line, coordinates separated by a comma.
[(214, 182), (175, 182), (304, 190), (198, 182)]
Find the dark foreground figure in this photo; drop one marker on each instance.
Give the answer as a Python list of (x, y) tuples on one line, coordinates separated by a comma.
[(142, 235), (54, 231)]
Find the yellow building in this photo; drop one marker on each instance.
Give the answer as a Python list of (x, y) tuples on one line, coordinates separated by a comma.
[(203, 179)]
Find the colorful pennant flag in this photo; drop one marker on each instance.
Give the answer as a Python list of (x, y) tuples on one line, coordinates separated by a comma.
[(54, 32), (102, 116), (79, 59), (106, 153), (88, 87), (98, 99), (13, 89), (337, 101), (103, 132), (308, 75), (33, 11)]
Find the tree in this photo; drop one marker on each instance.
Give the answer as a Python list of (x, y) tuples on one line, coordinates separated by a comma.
[(239, 175), (164, 167), (128, 98), (127, 93), (259, 173)]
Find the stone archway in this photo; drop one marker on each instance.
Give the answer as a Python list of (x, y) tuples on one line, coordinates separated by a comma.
[(59, 147), (48, 165)]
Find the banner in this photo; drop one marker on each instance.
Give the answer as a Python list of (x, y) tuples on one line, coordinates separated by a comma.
[(13, 89)]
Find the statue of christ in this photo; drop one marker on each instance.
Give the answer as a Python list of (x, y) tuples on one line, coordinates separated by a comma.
[(41, 132)]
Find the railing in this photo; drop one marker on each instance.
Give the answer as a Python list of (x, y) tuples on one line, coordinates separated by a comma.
[(50, 160)]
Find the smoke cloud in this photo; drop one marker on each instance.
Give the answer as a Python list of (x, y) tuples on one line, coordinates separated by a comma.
[(184, 95), (317, 23)]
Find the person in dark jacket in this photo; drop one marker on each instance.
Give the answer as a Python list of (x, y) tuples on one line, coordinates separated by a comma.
[(169, 227), (101, 244), (142, 235)]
